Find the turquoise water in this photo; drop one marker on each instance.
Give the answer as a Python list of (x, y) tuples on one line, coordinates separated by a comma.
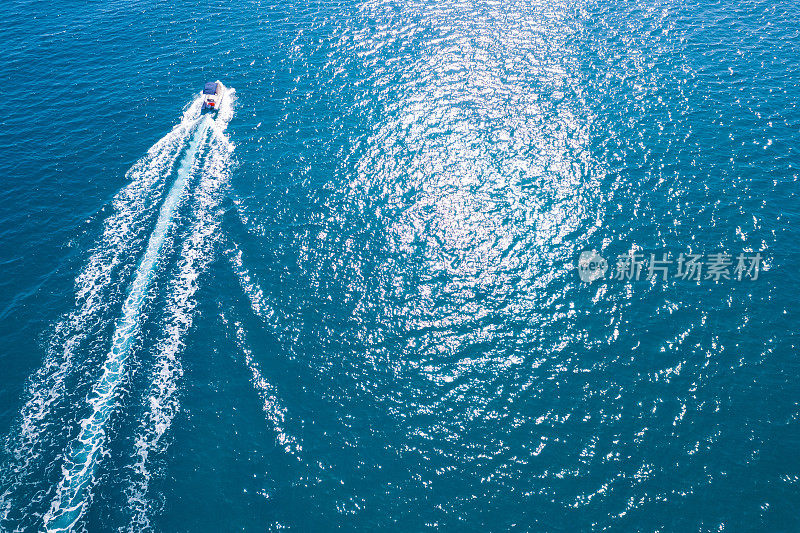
[(351, 299)]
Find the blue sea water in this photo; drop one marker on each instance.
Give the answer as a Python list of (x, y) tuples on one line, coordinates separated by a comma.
[(351, 300)]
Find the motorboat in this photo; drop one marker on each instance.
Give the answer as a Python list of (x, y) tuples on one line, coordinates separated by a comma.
[(213, 93)]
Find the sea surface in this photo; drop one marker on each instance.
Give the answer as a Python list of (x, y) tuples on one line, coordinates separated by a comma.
[(351, 300)]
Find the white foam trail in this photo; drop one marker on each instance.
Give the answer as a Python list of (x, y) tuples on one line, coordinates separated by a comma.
[(271, 404), (122, 232), (197, 251), (264, 310), (261, 307), (258, 302), (73, 491)]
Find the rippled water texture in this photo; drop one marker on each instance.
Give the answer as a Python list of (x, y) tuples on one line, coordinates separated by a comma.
[(364, 310)]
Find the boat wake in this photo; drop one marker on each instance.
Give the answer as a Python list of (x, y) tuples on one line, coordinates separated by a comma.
[(261, 307), (267, 393), (198, 146), (162, 402)]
